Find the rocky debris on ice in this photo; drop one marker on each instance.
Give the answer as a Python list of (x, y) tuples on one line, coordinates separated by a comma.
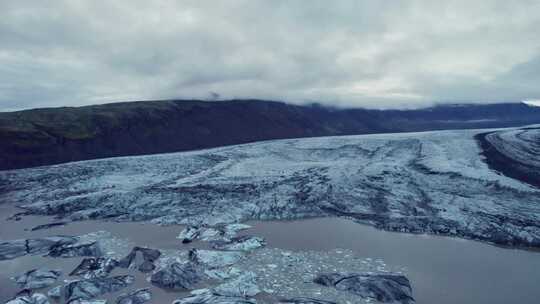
[(232, 229), (37, 278), (94, 268), (223, 273), (241, 243), (189, 234), (224, 232), (111, 245), (214, 259), (138, 296), (26, 297), (216, 233), (206, 296), (244, 285), (177, 276), (17, 248), (89, 249), (91, 288), (213, 234), (287, 275), (386, 288), (515, 153), (141, 258)]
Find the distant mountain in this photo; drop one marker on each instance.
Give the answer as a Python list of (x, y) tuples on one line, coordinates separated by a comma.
[(56, 135)]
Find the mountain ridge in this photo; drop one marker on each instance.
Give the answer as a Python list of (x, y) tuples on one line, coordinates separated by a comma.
[(56, 135)]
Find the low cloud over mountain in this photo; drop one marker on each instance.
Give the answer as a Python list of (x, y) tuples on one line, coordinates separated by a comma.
[(349, 53)]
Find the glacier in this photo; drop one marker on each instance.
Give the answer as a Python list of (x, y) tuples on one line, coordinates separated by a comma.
[(438, 182)]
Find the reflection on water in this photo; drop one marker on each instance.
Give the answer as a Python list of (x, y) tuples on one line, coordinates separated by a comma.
[(442, 270)]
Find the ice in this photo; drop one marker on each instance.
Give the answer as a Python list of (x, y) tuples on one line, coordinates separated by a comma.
[(430, 182)]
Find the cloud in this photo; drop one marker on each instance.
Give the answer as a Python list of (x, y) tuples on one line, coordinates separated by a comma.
[(349, 53)]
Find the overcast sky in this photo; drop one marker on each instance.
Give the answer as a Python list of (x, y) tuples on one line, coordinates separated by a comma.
[(346, 53)]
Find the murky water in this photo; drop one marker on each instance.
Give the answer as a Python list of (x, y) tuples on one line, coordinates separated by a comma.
[(442, 270), (137, 234)]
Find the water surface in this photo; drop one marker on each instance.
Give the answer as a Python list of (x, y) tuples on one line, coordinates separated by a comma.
[(441, 269)]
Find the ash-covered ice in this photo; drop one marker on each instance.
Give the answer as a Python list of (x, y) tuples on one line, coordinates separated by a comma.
[(283, 274)]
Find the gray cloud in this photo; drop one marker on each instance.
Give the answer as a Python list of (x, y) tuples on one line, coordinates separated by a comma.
[(350, 53)]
